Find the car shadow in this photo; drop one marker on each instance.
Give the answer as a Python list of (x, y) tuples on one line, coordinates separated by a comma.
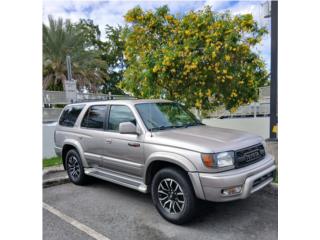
[(208, 214)]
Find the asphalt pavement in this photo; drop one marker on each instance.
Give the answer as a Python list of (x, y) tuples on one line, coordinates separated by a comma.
[(120, 213)]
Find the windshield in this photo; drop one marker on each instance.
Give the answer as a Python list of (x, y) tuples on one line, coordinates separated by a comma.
[(164, 115)]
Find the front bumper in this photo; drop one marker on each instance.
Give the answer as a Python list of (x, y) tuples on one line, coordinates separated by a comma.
[(251, 178)]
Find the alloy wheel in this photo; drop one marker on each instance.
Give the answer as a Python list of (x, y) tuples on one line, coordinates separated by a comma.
[(73, 167), (171, 196)]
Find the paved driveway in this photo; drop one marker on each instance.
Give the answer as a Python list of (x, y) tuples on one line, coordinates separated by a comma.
[(120, 213)]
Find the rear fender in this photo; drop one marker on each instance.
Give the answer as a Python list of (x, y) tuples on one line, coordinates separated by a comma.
[(78, 147)]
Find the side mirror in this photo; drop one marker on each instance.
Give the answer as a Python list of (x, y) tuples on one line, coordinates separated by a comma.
[(128, 128)]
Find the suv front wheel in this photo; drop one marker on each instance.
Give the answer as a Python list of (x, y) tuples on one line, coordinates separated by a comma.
[(74, 167), (173, 196)]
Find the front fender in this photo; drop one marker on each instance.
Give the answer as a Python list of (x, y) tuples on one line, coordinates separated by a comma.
[(174, 158), (77, 146)]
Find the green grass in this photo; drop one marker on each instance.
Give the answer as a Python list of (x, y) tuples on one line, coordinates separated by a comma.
[(49, 162)]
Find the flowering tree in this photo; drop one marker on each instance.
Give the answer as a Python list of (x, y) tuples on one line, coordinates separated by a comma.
[(203, 59)]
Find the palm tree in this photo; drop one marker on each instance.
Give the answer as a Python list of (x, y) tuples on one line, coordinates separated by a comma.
[(62, 38)]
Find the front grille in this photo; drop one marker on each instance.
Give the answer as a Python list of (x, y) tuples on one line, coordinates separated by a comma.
[(249, 155)]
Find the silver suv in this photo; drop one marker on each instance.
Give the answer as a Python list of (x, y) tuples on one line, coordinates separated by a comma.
[(158, 146)]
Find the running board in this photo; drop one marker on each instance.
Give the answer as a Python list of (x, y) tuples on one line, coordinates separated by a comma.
[(115, 177)]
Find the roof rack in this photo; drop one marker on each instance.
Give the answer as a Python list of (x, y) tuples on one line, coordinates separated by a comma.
[(114, 97), (60, 97)]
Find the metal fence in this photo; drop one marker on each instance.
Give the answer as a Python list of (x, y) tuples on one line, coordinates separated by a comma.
[(264, 94), (257, 109), (50, 114), (261, 108)]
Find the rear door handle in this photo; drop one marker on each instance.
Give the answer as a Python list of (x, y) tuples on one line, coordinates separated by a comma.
[(134, 144), (109, 140)]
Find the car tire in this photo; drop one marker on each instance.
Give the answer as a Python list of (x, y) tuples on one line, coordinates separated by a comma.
[(173, 195), (74, 168)]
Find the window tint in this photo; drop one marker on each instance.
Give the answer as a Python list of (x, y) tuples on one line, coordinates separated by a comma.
[(94, 117), (70, 115), (119, 114)]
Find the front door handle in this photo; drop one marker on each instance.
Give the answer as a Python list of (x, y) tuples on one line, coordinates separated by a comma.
[(134, 144), (109, 140)]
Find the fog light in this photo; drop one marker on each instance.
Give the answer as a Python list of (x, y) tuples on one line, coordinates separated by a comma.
[(231, 191)]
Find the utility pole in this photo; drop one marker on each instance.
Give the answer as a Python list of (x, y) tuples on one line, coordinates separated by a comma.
[(70, 86), (274, 72), (270, 10), (69, 70)]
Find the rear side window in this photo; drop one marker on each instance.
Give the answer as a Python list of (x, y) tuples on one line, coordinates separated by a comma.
[(94, 117), (70, 115), (119, 114)]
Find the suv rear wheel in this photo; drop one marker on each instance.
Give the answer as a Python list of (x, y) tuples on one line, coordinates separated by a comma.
[(173, 196), (74, 167)]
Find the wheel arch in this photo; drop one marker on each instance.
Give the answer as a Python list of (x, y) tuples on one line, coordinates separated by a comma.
[(159, 160), (72, 144)]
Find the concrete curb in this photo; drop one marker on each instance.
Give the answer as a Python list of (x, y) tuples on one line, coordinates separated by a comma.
[(55, 181), (48, 182), (53, 169)]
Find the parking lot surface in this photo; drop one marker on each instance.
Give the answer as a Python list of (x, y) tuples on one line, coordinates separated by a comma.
[(120, 213)]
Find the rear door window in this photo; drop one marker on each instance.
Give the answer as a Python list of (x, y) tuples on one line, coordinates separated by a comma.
[(95, 117), (70, 115)]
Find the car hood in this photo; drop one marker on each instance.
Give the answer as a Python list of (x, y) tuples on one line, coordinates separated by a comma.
[(205, 139)]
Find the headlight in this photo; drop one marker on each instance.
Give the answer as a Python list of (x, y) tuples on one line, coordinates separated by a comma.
[(223, 159)]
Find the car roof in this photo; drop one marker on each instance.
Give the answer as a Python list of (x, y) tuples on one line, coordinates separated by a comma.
[(120, 101)]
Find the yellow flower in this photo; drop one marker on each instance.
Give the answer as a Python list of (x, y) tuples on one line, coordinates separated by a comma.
[(224, 71), (129, 18), (234, 94), (198, 103), (156, 68), (232, 110), (227, 57), (168, 17), (166, 61), (193, 66)]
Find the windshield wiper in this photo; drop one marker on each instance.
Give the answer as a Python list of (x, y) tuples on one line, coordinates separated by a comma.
[(193, 124), (176, 126), (161, 128), (166, 127)]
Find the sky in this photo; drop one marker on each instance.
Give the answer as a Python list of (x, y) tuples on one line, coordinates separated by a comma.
[(112, 12)]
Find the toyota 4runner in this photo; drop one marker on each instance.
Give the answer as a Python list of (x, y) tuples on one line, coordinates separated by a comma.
[(158, 146)]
